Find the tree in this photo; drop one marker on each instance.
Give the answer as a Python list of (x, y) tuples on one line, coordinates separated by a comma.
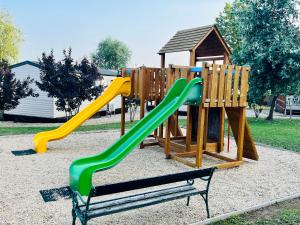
[(111, 54), (269, 36), (11, 89), (269, 44), (228, 24), (10, 38), (70, 83)]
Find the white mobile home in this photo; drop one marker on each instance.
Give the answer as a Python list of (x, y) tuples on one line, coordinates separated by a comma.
[(43, 107)]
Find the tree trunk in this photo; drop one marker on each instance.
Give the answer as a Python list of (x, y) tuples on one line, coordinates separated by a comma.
[(1, 115), (270, 116)]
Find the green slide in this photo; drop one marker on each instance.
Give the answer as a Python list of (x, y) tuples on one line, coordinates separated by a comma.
[(81, 170)]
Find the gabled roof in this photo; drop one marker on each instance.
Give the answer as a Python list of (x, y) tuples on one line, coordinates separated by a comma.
[(185, 40), (188, 39), (27, 62)]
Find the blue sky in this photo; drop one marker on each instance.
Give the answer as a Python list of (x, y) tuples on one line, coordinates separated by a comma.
[(145, 26)]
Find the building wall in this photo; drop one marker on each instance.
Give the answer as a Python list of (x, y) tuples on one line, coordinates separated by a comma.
[(41, 106)]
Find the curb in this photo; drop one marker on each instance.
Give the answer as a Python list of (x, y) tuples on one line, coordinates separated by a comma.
[(249, 209)]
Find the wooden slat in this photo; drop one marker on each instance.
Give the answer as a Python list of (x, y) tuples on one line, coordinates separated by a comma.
[(185, 154), (228, 86), (184, 161), (214, 86), (204, 76), (229, 165), (221, 86), (185, 73), (236, 86), (211, 146), (157, 84), (218, 156), (244, 87), (151, 83)]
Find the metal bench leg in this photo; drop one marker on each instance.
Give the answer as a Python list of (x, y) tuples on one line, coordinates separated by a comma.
[(205, 198), (188, 201), (74, 217)]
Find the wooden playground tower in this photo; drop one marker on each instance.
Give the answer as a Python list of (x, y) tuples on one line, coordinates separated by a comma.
[(225, 90)]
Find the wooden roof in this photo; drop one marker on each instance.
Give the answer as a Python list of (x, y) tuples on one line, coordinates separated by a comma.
[(188, 39)]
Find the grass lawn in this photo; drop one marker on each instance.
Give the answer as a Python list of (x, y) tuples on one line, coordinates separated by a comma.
[(285, 213), (282, 133), (32, 130)]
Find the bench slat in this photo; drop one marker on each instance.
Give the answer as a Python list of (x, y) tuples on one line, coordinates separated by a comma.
[(144, 195), (151, 182), (138, 201)]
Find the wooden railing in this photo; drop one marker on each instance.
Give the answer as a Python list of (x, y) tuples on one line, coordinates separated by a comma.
[(223, 85)]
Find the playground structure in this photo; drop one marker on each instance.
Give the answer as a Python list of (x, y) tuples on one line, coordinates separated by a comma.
[(225, 89)]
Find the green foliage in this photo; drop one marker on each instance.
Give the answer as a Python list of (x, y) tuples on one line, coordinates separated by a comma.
[(11, 89), (268, 41), (269, 35), (10, 38), (70, 83), (227, 24), (111, 54)]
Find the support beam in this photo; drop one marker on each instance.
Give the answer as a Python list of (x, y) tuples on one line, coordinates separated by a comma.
[(167, 139), (200, 136), (241, 134), (162, 60), (123, 110), (142, 97), (221, 130)]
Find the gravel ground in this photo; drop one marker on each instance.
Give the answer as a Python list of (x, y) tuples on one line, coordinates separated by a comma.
[(275, 175)]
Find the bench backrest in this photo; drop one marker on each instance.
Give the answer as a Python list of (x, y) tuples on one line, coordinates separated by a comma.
[(152, 181)]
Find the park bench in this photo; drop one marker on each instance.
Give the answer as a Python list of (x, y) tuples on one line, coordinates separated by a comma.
[(86, 210)]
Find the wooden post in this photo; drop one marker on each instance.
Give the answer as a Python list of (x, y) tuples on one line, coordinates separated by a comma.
[(226, 58), (221, 129), (189, 109), (200, 136), (167, 139), (189, 128), (162, 66), (155, 131), (142, 97), (241, 133), (162, 60), (228, 136), (123, 109)]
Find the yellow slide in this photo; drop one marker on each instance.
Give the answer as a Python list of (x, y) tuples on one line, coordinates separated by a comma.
[(117, 87)]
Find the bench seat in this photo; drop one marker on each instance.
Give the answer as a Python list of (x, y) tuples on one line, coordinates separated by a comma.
[(116, 205)]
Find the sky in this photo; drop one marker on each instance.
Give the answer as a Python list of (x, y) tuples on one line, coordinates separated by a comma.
[(143, 25)]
